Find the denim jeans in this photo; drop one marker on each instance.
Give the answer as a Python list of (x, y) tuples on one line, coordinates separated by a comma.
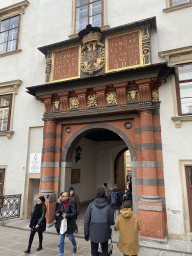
[(62, 240)]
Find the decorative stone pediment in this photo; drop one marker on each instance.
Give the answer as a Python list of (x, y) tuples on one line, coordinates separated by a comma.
[(177, 56), (12, 10), (10, 87)]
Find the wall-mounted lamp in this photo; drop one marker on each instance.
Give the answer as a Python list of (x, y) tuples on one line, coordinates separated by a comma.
[(78, 153)]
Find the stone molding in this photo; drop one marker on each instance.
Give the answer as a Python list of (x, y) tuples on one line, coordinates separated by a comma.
[(10, 87), (179, 119), (13, 10), (177, 56), (177, 7)]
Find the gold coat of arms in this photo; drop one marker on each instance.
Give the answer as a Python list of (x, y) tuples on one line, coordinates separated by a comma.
[(92, 53)]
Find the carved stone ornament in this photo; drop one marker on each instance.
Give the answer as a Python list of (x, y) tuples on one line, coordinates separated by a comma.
[(48, 66), (133, 96), (73, 103), (111, 98), (91, 101), (155, 95), (92, 53), (56, 106), (146, 45)]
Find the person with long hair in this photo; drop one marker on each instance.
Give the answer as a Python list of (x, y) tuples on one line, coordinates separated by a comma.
[(37, 223)]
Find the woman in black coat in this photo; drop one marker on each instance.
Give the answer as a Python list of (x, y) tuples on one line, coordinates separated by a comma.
[(57, 219), (37, 223)]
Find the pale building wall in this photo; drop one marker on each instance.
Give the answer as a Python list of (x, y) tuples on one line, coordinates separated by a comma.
[(176, 143)]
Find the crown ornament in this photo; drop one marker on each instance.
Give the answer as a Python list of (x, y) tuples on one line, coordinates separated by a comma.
[(92, 37)]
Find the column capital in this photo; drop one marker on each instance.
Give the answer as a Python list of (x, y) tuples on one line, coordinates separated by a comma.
[(144, 88), (120, 85), (47, 99), (100, 88), (81, 91)]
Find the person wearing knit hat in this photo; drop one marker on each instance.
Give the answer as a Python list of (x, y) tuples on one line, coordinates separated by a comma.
[(75, 199), (37, 223)]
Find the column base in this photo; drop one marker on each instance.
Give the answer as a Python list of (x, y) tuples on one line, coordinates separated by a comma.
[(152, 218), (50, 200)]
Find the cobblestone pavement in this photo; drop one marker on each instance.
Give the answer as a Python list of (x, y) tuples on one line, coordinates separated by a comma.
[(13, 242)]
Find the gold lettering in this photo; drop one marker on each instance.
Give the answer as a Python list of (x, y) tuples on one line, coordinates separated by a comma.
[(124, 64)]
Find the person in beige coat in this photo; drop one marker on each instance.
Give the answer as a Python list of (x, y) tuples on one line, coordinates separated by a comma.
[(128, 225)]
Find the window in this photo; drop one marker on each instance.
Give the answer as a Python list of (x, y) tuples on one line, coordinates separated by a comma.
[(178, 2), (184, 89), (9, 32), (8, 91), (88, 12), (5, 112), (2, 176)]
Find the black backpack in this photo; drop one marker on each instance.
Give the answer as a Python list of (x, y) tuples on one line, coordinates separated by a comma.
[(115, 198)]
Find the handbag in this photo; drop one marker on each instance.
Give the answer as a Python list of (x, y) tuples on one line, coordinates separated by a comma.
[(63, 227)]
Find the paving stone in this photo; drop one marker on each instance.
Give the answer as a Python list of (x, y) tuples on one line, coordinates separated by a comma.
[(166, 253), (147, 251)]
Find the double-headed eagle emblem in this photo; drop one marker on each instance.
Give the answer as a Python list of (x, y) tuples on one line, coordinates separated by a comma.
[(92, 53)]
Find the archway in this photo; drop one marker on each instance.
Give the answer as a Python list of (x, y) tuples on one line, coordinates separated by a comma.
[(71, 145)]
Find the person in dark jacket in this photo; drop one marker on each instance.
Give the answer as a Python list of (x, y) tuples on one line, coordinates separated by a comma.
[(67, 210), (37, 223), (97, 222), (57, 219), (115, 200), (75, 199), (128, 195)]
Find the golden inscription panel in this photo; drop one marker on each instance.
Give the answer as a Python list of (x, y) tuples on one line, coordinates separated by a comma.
[(66, 64), (123, 51)]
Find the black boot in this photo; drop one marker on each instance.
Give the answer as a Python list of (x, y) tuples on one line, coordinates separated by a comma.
[(27, 251), (39, 248)]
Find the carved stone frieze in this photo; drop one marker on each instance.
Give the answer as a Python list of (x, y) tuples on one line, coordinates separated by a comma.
[(133, 96), (111, 98), (155, 95), (56, 106), (92, 53), (73, 103), (146, 45), (92, 101)]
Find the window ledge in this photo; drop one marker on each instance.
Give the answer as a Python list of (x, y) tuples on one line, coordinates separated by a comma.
[(7, 133), (10, 53), (179, 119), (177, 7)]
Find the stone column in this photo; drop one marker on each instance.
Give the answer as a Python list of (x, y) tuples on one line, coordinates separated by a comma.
[(150, 206), (47, 169), (48, 164)]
